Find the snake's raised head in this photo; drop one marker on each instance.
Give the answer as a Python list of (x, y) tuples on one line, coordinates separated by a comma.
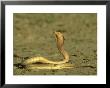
[(58, 34), (59, 38)]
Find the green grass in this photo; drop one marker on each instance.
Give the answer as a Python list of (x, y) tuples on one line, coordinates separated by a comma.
[(33, 36)]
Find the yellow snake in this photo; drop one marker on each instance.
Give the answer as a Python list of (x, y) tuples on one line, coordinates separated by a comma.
[(32, 62)]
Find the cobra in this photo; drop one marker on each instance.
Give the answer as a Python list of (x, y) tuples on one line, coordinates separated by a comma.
[(60, 45)]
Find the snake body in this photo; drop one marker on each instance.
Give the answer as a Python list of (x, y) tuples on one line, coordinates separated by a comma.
[(60, 42)]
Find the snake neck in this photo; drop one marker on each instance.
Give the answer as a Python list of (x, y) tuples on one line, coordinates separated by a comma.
[(60, 45), (63, 51)]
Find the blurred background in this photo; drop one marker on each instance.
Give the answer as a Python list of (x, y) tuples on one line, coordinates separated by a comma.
[(34, 36)]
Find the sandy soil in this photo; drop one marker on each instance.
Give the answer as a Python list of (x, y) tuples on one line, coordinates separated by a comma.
[(34, 36)]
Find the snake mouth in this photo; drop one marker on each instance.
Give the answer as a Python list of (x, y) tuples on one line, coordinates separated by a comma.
[(56, 32)]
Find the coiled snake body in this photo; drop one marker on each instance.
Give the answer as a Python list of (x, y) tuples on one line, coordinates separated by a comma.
[(32, 62)]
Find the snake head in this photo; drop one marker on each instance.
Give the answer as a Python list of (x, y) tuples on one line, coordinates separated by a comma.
[(59, 38), (59, 35)]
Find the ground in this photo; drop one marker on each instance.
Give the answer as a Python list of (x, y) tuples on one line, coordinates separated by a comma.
[(34, 36)]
